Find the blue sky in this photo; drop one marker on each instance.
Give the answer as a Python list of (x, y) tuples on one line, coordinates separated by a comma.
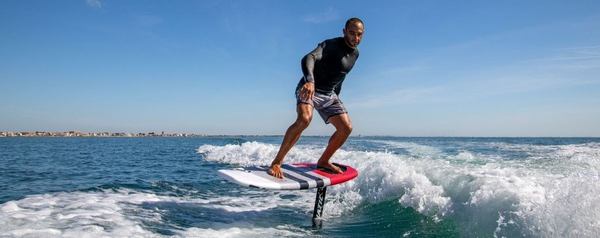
[(427, 68)]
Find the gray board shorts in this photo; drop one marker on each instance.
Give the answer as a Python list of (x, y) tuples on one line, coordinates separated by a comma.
[(326, 105)]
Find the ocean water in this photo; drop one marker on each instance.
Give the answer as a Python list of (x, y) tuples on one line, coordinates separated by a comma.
[(407, 187)]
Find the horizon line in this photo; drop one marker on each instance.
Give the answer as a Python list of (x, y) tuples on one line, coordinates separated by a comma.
[(196, 134)]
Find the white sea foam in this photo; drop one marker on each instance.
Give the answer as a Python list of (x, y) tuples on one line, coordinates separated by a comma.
[(71, 215), (497, 197), (500, 197), (238, 230), (119, 214), (254, 153), (422, 151)]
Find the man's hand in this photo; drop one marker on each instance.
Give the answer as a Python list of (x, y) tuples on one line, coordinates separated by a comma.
[(307, 91)]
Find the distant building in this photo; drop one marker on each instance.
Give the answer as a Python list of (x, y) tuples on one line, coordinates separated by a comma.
[(93, 134)]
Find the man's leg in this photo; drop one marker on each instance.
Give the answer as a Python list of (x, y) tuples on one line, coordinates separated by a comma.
[(291, 137), (343, 128)]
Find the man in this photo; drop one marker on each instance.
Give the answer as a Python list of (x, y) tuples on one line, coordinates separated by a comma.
[(324, 70)]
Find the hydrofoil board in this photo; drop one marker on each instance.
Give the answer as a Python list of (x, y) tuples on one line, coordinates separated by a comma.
[(296, 176)]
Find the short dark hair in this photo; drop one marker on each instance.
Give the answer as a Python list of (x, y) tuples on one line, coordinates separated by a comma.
[(353, 20)]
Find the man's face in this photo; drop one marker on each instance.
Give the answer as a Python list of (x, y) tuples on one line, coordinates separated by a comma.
[(353, 34)]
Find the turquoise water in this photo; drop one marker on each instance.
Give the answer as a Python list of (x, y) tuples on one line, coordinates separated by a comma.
[(407, 187)]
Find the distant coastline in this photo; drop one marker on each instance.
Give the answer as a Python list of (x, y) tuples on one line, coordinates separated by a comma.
[(165, 134), (93, 134)]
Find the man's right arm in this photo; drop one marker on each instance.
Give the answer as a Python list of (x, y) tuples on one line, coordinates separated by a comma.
[(308, 62)]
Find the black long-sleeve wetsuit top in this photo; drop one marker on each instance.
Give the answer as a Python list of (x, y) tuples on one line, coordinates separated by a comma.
[(328, 64)]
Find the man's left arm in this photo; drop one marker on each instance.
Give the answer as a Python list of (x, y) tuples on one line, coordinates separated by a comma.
[(338, 89)]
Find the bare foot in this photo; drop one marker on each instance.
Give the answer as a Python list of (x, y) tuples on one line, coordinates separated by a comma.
[(275, 171), (329, 166)]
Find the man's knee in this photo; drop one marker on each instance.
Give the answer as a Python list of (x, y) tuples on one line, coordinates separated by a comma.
[(346, 129), (304, 115), (303, 121)]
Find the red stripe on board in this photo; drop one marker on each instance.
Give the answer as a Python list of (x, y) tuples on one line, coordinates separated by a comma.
[(347, 175)]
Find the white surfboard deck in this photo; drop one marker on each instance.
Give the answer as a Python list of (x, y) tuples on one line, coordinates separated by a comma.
[(296, 176)]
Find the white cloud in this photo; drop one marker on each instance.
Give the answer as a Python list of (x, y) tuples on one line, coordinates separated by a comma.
[(327, 16), (572, 67), (578, 58), (566, 69), (94, 3), (404, 70), (399, 96), (147, 20)]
